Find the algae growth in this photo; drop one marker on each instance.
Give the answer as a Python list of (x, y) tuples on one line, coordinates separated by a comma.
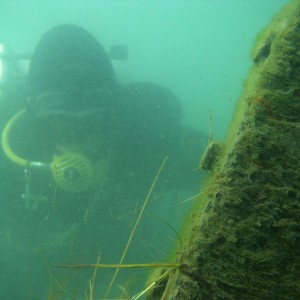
[(242, 240)]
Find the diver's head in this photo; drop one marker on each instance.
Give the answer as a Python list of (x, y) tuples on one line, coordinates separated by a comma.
[(71, 82), (70, 74), (68, 58)]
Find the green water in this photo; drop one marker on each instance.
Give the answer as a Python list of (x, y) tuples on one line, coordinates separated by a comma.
[(200, 52)]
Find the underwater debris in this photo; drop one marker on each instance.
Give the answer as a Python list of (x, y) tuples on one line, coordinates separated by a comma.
[(212, 152), (211, 155)]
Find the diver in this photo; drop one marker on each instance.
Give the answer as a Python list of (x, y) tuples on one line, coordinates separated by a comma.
[(80, 131), (79, 153)]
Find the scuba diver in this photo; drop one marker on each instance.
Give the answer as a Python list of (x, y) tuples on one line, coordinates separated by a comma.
[(81, 126), (79, 152)]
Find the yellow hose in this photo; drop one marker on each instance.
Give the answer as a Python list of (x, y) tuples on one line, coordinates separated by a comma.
[(5, 144)]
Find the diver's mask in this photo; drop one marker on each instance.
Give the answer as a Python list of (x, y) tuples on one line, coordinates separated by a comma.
[(72, 171)]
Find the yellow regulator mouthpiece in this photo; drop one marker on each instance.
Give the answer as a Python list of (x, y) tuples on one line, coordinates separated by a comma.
[(72, 171)]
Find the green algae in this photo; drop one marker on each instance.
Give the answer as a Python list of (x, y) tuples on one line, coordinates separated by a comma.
[(242, 237)]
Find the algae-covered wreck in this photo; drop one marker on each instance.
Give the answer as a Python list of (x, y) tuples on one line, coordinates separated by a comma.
[(242, 238)]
